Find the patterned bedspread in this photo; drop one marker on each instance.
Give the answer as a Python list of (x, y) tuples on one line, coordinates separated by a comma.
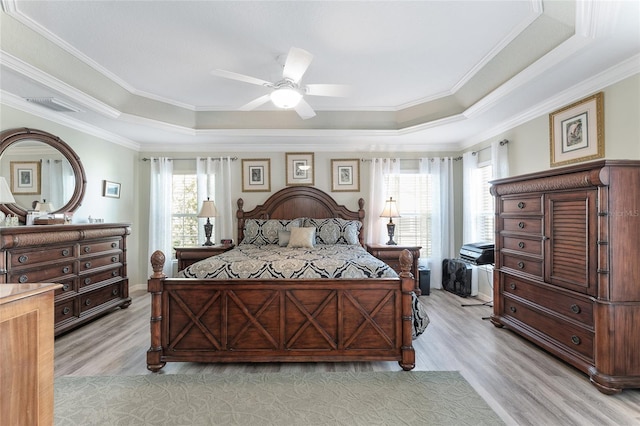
[(273, 261), (321, 261)]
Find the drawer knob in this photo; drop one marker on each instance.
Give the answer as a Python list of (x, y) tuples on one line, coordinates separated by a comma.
[(114, 273), (521, 265), (23, 279), (87, 249), (114, 245), (87, 302), (513, 286), (512, 309), (114, 291), (521, 205), (66, 270), (23, 259), (66, 310), (87, 281), (521, 225), (114, 259), (87, 265), (575, 340), (575, 309), (521, 244), (65, 287), (65, 252)]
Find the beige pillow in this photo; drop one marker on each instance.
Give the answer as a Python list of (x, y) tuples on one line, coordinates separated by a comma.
[(302, 237)]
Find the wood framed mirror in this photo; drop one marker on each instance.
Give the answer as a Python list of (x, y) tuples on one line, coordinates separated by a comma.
[(40, 166)]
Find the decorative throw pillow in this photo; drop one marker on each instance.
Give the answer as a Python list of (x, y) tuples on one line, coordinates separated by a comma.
[(302, 237), (283, 238), (265, 231), (335, 230)]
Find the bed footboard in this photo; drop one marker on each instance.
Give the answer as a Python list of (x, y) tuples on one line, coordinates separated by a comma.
[(283, 320)]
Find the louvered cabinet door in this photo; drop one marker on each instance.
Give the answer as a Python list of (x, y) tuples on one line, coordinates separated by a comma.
[(571, 240)]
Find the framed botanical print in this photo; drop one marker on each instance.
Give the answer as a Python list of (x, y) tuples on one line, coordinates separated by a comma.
[(25, 177), (256, 175), (577, 131), (345, 175), (300, 168)]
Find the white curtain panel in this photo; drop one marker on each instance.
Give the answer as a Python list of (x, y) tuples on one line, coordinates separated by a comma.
[(160, 199), (469, 164), (442, 215), (214, 177), (500, 159), (376, 227)]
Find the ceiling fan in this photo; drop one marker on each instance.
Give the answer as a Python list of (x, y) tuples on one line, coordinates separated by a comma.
[(288, 93)]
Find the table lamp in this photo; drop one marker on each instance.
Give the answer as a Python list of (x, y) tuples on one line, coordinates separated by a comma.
[(6, 197), (390, 211), (208, 210)]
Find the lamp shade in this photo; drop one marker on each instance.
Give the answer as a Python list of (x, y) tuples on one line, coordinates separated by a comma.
[(6, 197), (44, 207), (390, 209), (208, 209)]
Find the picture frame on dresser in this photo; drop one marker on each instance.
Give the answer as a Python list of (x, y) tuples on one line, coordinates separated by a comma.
[(577, 131), (256, 175)]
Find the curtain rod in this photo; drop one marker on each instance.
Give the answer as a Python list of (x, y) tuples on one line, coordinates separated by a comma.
[(192, 159), (502, 143)]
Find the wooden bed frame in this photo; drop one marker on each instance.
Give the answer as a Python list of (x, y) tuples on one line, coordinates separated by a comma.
[(283, 320)]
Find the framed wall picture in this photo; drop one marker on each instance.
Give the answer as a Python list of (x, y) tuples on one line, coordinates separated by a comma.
[(345, 175), (577, 131), (300, 168), (256, 175), (110, 189), (25, 177)]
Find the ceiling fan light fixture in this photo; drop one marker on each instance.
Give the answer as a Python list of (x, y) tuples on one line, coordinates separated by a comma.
[(286, 97)]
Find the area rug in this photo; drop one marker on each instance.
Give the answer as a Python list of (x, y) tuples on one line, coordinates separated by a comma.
[(348, 398)]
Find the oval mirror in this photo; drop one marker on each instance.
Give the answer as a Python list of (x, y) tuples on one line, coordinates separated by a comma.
[(39, 166)]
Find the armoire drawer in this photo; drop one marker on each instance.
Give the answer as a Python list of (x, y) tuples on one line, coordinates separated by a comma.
[(577, 307), (525, 265), (522, 205), (565, 333), (528, 225), (522, 244)]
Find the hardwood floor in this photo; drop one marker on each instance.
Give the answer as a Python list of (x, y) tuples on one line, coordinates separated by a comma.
[(522, 383)]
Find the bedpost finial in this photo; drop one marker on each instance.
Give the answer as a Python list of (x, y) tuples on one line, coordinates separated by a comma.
[(406, 261), (157, 264)]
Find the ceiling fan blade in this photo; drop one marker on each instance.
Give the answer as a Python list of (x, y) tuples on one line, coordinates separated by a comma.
[(255, 103), (298, 61), (304, 110), (337, 90), (241, 77)]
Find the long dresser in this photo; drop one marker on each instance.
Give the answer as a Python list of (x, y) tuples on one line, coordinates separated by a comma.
[(568, 274), (89, 260)]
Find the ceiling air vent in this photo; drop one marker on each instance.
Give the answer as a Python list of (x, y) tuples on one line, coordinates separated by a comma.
[(54, 104)]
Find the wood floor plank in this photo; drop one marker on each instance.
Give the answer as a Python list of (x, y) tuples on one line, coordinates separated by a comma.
[(522, 383)]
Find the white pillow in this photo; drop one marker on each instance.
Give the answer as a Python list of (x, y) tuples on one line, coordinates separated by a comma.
[(302, 237)]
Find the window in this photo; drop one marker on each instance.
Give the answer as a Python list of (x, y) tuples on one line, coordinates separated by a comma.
[(184, 210), (484, 204), (413, 194)]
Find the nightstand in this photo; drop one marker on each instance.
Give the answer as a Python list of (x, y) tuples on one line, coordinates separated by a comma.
[(189, 255), (390, 255)]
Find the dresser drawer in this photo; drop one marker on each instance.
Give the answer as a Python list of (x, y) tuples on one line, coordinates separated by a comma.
[(522, 244), (522, 264), (572, 337), (68, 288), (571, 306), (87, 264), (522, 205), (527, 225), (99, 247), (53, 273), (99, 277), (65, 310), (25, 258), (96, 298)]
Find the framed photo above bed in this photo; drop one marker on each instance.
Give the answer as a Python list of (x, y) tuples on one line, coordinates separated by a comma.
[(577, 131), (300, 168), (345, 175), (256, 175)]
